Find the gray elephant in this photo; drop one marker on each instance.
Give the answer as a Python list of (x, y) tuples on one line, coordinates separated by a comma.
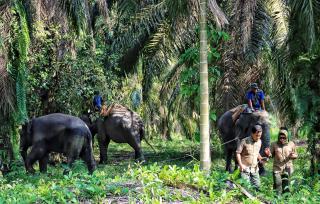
[(120, 125), (235, 125), (59, 133)]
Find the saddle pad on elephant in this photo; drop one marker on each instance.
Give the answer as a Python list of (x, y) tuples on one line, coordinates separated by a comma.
[(112, 109), (237, 111)]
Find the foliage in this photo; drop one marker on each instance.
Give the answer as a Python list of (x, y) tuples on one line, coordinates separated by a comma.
[(19, 61), (16, 48), (189, 85), (171, 175)]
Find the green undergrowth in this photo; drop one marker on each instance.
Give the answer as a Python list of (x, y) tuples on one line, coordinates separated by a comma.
[(171, 174)]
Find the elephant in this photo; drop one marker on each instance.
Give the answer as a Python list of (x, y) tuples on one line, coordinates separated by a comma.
[(59, 133), (92, 126), (120, 125), (235, 125)]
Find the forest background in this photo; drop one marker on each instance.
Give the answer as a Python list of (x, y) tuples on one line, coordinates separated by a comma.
[(145, 54)]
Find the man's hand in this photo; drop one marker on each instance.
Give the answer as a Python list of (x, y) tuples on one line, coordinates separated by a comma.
[(267, 152), (242, 167), (292, 155)]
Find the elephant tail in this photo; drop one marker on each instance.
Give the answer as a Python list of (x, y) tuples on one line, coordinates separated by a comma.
[(142, 136)]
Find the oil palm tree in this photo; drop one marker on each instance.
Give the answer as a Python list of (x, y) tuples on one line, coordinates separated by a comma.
[(14, 46), (157, 32)]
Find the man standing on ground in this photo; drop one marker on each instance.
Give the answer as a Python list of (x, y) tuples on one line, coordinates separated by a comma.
[(283, 152), (248, 155)]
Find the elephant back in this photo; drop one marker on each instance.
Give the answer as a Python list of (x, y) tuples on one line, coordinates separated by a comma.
[(113, 109), (129, 118)]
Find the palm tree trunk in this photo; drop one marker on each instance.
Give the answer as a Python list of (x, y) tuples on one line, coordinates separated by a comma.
[(205, 159)]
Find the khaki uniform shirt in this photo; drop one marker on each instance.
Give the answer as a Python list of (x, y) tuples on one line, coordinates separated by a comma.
[(249, 151), (281, 160)]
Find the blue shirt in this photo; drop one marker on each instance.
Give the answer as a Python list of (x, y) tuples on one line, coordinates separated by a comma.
[(255, 98), (97, 101)]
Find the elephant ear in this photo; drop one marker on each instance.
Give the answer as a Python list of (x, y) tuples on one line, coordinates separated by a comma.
[(243, 125), (26, 130)]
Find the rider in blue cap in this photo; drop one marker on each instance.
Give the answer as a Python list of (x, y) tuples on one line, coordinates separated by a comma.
[(255, 98)]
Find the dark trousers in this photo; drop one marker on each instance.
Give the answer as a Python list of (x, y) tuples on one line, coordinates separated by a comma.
[(281, 182)]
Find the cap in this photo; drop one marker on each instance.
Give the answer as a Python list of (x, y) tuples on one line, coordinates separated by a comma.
[(283, 132), (254, 85)]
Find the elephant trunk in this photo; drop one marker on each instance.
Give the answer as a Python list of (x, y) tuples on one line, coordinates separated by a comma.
[(88, 153), (25, 139), (265, 139), (142, 136)]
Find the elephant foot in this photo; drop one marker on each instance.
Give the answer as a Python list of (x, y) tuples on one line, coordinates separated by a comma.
[(43, 171), (140, 160), (31, 170), (91, 171)]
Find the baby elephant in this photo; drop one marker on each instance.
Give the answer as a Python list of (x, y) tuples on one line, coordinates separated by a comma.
[(56, 133)]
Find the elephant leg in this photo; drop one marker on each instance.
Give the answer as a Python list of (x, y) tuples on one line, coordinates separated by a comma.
[(103, 146), (43, 162), (138, 155), (228, 160), (38, 151), (103, 141)]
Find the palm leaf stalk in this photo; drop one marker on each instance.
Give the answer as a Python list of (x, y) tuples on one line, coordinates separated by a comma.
[(205, 158)]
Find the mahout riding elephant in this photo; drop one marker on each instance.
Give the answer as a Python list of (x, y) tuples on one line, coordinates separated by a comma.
[(59, 133), (121, 125), (235, 125)]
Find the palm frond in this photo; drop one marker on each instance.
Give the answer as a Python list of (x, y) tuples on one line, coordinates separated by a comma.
[(128, 6), (158, 38), (219, 16), (7, 91), (279, 12), (171, 80), (7, 100), (305, 12), (78, 10), (249, 11), (141, 24), (260, 32), (103, 8)]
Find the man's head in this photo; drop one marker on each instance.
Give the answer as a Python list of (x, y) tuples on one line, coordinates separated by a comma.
[(256, 132), (254, 87), (96, 92), (283, 136)]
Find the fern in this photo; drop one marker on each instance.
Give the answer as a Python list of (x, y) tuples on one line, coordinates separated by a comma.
[(23, 42)]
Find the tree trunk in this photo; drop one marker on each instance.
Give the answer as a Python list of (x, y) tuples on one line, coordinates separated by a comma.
[(205, 159)]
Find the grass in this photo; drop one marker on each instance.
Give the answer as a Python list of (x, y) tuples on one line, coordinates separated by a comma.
[(170, 175)]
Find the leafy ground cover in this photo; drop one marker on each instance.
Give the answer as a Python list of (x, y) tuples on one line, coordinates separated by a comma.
[(170, 175)]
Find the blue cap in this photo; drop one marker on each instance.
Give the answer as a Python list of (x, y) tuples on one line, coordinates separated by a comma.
[(254, 85)]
